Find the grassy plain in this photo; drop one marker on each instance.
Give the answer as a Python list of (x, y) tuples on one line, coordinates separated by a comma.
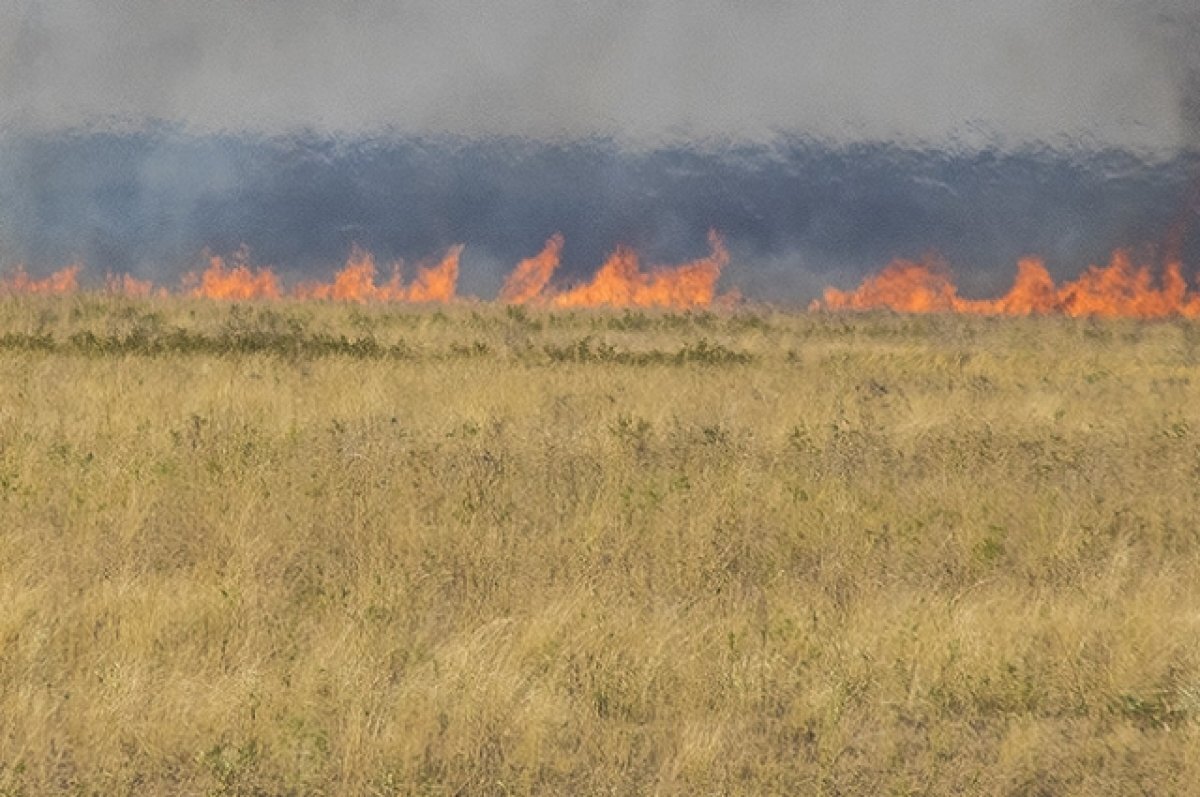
[(310, 549)]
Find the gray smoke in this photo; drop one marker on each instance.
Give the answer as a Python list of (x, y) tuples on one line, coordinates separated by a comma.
[(927, 72), (797, 214), (1174, 29), (1180, 24)]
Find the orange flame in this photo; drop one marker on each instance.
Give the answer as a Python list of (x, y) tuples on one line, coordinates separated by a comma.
[(356, 282), (620, 282), (60, 282), (1125, 290), (905, 286), (1033, 292), (533, 274), (237, 282), (1119, 290), (437, 283)]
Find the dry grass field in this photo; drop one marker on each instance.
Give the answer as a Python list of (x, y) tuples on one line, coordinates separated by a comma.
[(304, 548)]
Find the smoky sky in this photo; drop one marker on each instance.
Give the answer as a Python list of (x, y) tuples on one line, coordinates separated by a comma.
[(940, 71), (822, 139), (797, 214)]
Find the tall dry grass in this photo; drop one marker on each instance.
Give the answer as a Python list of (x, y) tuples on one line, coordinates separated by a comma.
[(309, 549)]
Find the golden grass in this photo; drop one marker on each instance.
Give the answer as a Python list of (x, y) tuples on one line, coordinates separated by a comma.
[(301, 548)]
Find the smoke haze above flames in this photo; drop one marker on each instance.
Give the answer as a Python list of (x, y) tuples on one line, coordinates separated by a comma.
[(1093, 71), (822, 139)]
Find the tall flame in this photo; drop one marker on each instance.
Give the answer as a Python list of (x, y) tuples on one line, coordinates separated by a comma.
[(437, 283), (533, 274), (1121, 289), (63, 281)]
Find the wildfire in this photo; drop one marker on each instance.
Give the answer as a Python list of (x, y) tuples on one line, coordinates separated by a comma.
[(356, 282), (60, 282), (1124, 288), (239, 281), (530, 276), (1121, 289), (620, 282), (437, 283)]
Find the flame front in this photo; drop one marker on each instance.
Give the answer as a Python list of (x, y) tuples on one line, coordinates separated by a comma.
[(354, 283), (1125, 290), (437, 283), (240, 281), (1119, 290), (620, 282), (1122, 289), (904, 286), (63, 281)]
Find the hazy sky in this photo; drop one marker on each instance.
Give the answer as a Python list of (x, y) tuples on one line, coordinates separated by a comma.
[(931, 71)]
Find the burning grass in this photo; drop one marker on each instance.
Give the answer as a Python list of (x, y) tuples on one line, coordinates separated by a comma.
[(318, 548), (620, 282), (1121, 289)]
